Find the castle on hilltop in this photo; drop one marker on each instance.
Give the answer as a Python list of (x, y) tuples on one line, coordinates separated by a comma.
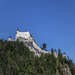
[(28, 40)]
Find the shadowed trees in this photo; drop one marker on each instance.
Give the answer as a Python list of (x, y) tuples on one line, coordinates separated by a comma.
[(16, 59)]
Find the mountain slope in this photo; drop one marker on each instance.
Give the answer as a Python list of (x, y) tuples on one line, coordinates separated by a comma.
[(17, 59)]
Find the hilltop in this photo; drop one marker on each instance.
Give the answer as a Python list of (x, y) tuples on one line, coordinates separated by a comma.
[(23, 56), (17, 59)]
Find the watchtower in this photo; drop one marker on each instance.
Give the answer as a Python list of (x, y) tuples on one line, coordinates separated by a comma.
[(9, 38)]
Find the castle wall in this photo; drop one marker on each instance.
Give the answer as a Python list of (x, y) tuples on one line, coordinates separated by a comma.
[(33, 46), (25, 35)]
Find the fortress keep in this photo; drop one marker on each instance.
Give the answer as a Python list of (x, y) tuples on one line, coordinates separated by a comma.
[(28, 40)]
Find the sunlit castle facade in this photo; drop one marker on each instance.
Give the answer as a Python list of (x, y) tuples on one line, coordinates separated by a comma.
[(23, 35)]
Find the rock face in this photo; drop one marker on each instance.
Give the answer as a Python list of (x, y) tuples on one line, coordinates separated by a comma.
[(64, 70)]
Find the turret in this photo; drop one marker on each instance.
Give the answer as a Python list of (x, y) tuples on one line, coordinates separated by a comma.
[(64, 54), (9, 38), (55, 53), (17, 30)]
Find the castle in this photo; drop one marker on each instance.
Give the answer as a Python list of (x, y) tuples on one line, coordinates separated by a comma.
[(28, 40)]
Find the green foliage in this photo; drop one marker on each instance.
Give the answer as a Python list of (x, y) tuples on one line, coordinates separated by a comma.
[(16, 59)]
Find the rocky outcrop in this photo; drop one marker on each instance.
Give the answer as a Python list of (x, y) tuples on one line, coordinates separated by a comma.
[(63, 70)]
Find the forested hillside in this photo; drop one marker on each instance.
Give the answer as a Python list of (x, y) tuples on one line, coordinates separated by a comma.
[(16, 59)]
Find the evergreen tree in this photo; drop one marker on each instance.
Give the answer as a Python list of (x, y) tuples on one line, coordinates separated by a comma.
[(16, 59)]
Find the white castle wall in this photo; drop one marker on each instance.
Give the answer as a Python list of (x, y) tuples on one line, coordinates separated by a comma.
[(25, 35), (36, 46)]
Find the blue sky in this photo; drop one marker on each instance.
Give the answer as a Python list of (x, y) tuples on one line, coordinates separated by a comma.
[(50, 21)]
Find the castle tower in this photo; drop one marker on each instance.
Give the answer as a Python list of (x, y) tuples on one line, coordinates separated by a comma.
[(17, 30), (64, 54), (9, 38)]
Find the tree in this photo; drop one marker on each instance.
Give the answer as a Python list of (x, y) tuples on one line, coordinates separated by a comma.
[(59, 52), (17, 59)]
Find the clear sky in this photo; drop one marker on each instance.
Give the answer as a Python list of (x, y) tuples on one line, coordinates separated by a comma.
[(50, 21)]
